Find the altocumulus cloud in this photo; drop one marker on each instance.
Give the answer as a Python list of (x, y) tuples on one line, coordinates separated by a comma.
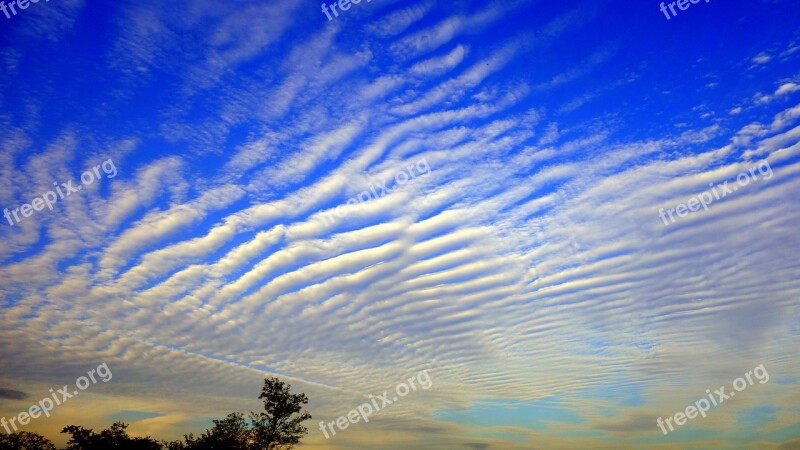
[(529, 264)]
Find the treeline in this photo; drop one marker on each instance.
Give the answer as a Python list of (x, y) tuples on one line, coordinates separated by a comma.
[(278, 427)]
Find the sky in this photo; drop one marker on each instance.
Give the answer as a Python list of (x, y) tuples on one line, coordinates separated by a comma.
[(575, 216)]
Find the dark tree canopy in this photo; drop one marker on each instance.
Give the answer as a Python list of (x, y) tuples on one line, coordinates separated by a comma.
[(24, 440), (112, 438), (278, 427), (230, 433)]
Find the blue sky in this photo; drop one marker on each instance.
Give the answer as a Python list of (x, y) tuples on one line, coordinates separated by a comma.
[(523, 263)]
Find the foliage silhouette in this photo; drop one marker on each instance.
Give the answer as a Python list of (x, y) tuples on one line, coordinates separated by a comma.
[(275, 428), (278, 427), (24, 440), (113, 438)]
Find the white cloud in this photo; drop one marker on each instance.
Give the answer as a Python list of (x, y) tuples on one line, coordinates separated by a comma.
[(761, 58), (787, 88)]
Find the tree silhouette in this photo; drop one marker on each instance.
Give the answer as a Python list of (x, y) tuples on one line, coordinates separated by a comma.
[(24, 440), (230, 433), (279, 427), (112, 438), (275, 428)]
